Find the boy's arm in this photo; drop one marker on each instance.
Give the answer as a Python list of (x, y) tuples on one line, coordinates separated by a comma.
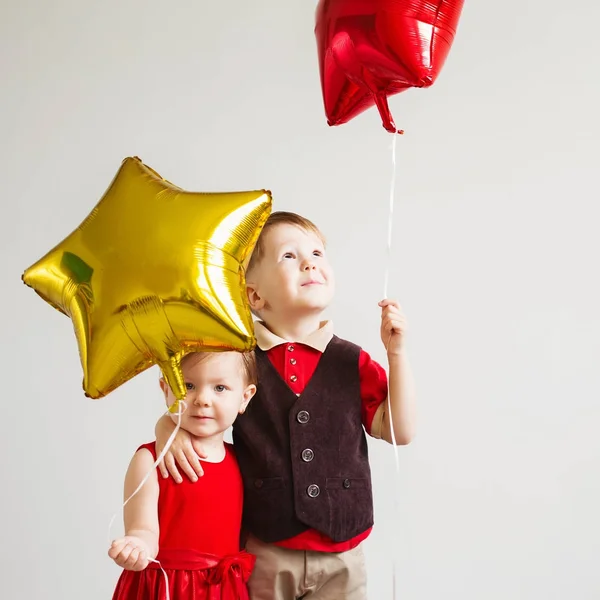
[(402, 401), (401, 383), (184, 451)]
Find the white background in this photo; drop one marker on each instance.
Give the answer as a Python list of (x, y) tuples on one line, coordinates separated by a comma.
[(495, 261)]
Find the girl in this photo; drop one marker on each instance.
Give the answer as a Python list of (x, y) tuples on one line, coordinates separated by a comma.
[(191, 529)]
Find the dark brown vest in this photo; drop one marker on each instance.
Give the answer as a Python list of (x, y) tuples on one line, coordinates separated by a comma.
[(304, 459)]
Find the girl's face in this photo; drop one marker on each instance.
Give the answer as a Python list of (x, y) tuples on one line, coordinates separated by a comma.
[(216, 392)]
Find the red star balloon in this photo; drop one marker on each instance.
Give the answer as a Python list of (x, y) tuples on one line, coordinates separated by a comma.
[(371, 49)]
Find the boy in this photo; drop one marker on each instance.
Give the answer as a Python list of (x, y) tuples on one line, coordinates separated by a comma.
[(301, 447)]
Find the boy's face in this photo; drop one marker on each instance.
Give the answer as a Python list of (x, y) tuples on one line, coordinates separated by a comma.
[(216, 392), (293, 277)]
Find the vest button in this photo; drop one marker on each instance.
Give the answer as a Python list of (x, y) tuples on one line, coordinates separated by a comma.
[(307, 455), (293, 378), (290, 348), (313, 490), (303, 417), (346, 483), (258, 483), (292, 361)]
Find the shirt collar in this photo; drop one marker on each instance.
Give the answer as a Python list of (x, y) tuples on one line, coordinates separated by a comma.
[(318, 339)]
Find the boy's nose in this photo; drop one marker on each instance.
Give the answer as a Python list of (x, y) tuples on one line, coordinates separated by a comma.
[(308, 265)]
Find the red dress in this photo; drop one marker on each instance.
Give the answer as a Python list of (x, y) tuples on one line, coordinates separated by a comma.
[(199, 541)]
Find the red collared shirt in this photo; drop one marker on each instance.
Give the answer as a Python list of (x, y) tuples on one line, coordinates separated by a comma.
[(296, 362)]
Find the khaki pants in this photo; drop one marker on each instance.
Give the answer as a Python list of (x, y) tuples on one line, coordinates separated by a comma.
[(282, 574)]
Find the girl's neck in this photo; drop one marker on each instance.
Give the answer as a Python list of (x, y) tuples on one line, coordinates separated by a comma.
[(213, 446)]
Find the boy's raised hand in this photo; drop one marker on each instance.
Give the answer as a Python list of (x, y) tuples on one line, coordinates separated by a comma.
[(130, 553), (393, 326), (184, 452)]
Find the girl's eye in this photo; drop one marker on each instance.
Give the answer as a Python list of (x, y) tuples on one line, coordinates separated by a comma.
[(189, 386), (288, 255), (318, 253), (220, 388)]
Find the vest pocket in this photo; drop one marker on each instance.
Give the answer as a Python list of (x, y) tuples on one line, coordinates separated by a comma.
[(350, 506), (267, 483), (347, 483)]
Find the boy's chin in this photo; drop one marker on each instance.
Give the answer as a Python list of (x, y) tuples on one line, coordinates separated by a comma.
[(302, 307), (314, 308)]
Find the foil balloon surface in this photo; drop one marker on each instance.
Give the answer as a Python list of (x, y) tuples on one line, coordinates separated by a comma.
[(369, 50), (153, 273)]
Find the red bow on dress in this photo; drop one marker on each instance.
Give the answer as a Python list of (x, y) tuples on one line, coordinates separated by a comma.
[(226, 576)]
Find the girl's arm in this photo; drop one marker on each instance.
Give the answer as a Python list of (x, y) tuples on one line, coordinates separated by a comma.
[(140, 515)]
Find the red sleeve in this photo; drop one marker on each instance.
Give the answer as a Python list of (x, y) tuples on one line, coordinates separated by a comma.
[(151, 447), (373, 387)]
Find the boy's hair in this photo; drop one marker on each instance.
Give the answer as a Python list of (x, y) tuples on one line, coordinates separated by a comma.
[(248, 360), (281, 217)]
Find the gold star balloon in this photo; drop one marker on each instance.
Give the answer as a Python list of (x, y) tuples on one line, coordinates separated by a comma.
[(152, 274)]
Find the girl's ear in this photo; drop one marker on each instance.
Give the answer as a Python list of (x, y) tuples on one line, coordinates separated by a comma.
[(248, 393), (164, 387)]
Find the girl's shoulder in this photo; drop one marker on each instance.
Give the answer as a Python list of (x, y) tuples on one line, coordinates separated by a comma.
[(150, 446)]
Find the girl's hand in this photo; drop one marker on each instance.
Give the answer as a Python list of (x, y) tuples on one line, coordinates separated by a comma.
[(184, 451), (393, 326), (130, 552)]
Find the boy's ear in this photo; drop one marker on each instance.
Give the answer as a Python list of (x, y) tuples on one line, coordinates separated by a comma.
[(248, 393), (254, 299)]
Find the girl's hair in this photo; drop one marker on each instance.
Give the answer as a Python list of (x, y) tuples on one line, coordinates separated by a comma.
[(250, 369), (247, 359)]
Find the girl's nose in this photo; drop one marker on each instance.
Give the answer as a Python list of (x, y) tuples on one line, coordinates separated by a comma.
[(201, 399)]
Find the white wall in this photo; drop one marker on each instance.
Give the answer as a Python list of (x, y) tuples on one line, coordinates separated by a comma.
[(495, 261)]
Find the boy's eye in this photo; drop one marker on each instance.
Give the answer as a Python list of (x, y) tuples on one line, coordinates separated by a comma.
[(189, 386), (220, 388), (318, 253), (288, 255)]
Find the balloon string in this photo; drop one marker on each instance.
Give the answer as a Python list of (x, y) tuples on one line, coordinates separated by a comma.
[(385, 293), (386, 282), (386, 277), (145, 478)]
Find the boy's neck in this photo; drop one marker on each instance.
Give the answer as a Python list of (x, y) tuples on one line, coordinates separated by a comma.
[(293, 329)]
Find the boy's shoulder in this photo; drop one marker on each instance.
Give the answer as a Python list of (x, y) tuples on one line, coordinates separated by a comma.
[(344, 343), (356, 351)]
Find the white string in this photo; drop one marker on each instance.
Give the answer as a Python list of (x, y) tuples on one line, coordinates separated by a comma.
[(386, 282), (145, 478), (385, 294), (386, 278), (167, 593)]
